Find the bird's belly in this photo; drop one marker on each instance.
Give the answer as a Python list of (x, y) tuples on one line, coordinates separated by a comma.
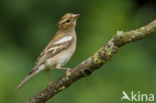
[(62, 58)]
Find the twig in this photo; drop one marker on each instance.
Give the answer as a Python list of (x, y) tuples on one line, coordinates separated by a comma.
[(102, 56)]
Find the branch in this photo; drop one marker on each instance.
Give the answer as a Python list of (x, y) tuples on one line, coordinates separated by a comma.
[(102, 56)]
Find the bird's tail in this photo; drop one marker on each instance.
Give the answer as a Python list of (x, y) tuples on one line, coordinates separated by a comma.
[(34, 71), (21, 84), (26, 78)]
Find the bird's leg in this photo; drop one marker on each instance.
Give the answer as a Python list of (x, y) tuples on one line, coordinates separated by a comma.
[(47, 70), (68, 70)]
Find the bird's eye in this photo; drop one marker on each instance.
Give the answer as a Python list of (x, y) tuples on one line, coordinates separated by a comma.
[(68, 21)]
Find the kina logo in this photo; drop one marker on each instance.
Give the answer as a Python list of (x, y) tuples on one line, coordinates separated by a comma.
[(138, 96)]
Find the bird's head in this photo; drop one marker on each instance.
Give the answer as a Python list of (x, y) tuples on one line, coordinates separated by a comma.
[(67, 23)]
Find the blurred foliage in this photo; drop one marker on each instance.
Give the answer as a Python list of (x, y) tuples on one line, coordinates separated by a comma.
[(26, 26)]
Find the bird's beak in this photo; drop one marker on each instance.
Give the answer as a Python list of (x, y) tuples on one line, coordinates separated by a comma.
[(75, 16)]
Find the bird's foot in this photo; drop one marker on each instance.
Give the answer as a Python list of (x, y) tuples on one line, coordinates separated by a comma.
[(68, 72), (51, 82)]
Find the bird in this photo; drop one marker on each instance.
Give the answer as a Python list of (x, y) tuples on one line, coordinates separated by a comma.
[(59, 50)]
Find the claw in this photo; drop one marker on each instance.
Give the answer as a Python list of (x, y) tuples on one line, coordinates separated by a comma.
[(50, 83), (68, 72)]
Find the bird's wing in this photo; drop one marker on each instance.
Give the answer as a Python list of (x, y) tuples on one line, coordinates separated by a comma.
[(50, 51), (54, 48)]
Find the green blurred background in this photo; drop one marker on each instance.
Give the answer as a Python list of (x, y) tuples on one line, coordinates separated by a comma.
[(26, 26)]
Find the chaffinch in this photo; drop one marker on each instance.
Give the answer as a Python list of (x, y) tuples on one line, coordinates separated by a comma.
[(59, 50)]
